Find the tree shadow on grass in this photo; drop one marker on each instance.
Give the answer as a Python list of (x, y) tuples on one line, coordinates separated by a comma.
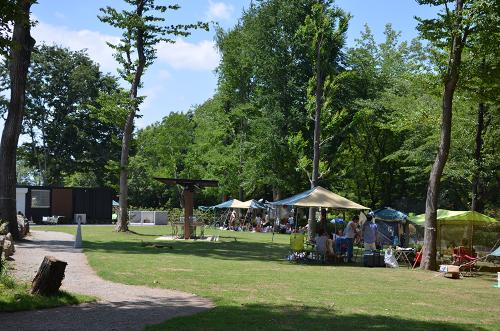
[(226, 250), (115, 315), (266, 317)]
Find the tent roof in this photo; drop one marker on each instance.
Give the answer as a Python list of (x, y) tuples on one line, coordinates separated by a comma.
[(455, 217), (254, 204), (321, 198), (389, 214), (225, 204), (496, 252)]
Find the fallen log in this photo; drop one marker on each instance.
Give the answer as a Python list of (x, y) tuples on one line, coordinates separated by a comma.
[(49, 277)]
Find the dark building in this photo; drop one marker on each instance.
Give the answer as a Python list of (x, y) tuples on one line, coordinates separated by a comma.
[(40, 201)]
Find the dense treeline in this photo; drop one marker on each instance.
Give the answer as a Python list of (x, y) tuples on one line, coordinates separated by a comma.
[(380, 120)]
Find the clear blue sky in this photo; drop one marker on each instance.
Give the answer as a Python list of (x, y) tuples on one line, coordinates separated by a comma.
[(183, 75)]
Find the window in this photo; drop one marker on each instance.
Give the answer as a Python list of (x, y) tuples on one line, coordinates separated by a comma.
[(40, 199)]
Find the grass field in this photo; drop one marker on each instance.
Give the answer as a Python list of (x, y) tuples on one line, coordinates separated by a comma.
[(15, 296), (255, 288)]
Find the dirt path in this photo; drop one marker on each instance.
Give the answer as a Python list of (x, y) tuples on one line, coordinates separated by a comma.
[(121, 307)]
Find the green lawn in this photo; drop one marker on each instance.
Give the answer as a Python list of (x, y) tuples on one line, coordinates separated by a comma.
[(15, 296), (254, 288)]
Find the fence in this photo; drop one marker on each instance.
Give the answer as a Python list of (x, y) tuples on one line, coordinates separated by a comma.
[(138, 217)]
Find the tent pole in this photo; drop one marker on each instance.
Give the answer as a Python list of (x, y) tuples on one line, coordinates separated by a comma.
[(343, 218), (295, 218), (471, 236)]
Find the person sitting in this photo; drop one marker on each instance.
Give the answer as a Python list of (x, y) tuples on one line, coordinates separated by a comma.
[(339, 234), (340, 243), (330, 252), (324, 245)]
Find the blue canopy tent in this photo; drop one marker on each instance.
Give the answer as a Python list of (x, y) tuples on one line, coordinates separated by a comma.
[(337, 221), (389, 221), (224, 205), (388, 214)]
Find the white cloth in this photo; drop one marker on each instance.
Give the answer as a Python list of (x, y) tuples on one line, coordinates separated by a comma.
[(390, 259)]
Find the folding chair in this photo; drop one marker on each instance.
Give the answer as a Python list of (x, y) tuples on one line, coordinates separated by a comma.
[(464, 258), (297, 251)]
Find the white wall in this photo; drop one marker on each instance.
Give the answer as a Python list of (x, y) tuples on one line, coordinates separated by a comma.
[(21, 199)]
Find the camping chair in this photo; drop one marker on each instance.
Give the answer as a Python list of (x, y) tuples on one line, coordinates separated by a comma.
[(462, 255), (320, 249), (297, 251), (464, 258), (341, 246)]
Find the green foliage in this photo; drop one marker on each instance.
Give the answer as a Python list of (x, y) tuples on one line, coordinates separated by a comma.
[(10, 10), (64, 94), (379, 120), (144, 25)]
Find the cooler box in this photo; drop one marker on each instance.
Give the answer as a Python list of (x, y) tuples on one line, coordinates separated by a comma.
[(373, 259)]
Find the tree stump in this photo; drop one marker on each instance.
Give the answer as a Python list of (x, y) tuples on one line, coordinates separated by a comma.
[(8, 246), (49, 277)]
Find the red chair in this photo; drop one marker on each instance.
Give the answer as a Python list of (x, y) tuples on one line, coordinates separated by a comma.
[(462, 255), (418, 259), (464, 258)]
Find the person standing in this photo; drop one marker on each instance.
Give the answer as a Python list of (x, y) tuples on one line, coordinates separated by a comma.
[(258, 222), (370, 234), (232, 219), (350, 232)]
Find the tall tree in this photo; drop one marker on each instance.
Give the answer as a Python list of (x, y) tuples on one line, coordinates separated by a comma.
[(20, 55), (324, 30), (451, 32), (143, 29), (482, 69), (62, 102)]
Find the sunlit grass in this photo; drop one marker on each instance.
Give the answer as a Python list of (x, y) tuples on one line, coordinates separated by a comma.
[(15, 296), (255, 288)]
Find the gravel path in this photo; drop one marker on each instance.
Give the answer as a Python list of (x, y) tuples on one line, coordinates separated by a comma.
[(121, 307)]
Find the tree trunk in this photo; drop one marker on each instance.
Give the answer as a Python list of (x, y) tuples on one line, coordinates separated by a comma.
[(18, 69), (317, 134), (122, 222), (431, 203), (1, 251), (477, 204), (49, 277)]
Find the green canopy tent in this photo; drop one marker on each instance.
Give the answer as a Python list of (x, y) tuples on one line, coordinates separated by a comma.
[(454, 223)]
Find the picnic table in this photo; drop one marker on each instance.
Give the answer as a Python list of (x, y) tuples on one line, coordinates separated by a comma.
[(195, 224)]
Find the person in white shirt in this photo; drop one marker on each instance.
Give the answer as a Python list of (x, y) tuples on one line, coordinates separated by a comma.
[(351, 230)]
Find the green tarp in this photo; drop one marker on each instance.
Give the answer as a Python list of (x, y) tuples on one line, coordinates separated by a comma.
[(455, 217)]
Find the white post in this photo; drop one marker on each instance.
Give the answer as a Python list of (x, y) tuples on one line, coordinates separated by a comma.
[(498, 285), (78, 240)]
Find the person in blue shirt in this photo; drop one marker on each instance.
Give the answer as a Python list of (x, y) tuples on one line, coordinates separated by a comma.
[(370, 234)]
